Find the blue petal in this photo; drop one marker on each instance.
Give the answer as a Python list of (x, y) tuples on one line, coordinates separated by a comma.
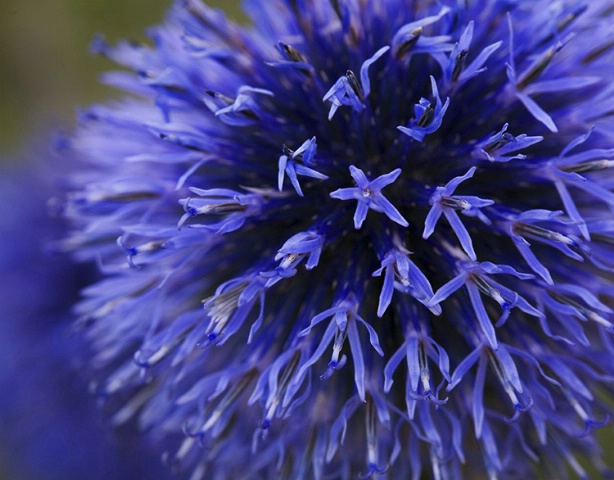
[(482, 316), (448, 289), (461, 232), (478, 398), (364, 70)]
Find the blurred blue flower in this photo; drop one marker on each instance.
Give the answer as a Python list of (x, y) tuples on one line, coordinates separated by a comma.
[(238, 318), (51, 426)]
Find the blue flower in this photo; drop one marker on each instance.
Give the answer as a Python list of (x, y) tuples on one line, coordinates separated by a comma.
[(342, 327), (445, 203), (428, 117), (369, 196)]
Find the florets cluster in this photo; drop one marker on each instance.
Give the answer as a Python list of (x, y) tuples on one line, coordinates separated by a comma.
[(357, 237)]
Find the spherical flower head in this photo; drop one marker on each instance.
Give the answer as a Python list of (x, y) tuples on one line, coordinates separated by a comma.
[(356, 238)]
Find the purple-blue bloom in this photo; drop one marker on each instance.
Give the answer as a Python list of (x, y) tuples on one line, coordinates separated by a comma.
[(427, 117), (444, 202), (368, 195), (277, 282)]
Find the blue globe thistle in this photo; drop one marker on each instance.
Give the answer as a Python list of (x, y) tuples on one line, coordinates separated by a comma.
[(51, 427), (364, 238)]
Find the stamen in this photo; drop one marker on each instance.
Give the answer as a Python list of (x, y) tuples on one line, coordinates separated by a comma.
[(219, 96), (274, 402), (354, 83), (540, 232), (499, 142), (335, 363), (598, 52), (459, 64), (290, 53), (220, 308), (586, 167), (582, 310), (538, 67), (603, 238), (427, 116), (232, 395), (570, 17), (425, 376), (408, 44), (403, 279), (290, 259), (455, 203), (509, 388), (488, 290), (223, 208), (287, 151)]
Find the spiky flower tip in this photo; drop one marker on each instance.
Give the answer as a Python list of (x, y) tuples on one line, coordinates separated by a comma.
[(359, 237)]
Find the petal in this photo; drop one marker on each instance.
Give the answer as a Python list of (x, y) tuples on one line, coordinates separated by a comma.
[(448, 289), (309, 172), (560, 84), (392, 365), (317, 319), (475, 67), (464, 367), (361, 214), (509, 367), (345, 193), (478, 398), (537, 111), (384, 180), (482, 316), (359, 177), (385, 296), (390, 210), (291, 171), (358, 359), (413, 363), (373, 338), (364, 70), (571, 208), (524, 248), (431, 220), (452, 185), (461, 232)]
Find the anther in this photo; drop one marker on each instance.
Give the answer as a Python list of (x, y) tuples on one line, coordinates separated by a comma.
[(427, 116), (354, 83), (587, 167), (408, 44), (540, 232), (459, 64), (455, 203), (537, 68), (499, 142), (291, 53)]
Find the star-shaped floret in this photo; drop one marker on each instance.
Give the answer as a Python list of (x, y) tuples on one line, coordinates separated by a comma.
[(369, 196), (348, 91), (444, 202), (428, 115)]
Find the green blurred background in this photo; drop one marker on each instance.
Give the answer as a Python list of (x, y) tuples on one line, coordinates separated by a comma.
[(46, 70)]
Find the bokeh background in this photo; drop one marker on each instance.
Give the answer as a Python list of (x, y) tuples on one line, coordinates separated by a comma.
[(46, 69)]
